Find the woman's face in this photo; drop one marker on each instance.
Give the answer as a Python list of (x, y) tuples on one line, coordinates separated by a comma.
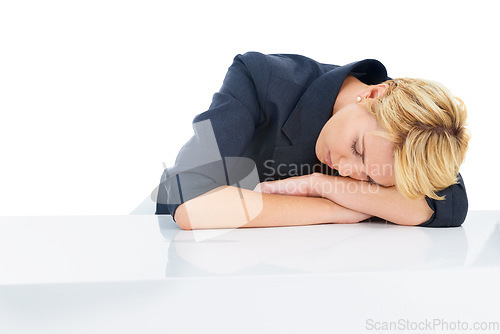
[(347, 143)]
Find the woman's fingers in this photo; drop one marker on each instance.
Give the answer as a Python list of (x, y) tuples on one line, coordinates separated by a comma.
[(291, 186), (262, 188)]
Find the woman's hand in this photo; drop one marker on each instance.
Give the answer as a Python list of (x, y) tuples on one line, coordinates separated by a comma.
[(312, 185), (305, 185)]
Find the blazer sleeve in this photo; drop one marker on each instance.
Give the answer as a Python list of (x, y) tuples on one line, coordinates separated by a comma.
[(452, 211), (224, 130)]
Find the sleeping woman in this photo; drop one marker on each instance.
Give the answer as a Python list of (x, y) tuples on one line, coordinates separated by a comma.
[(291, 141)]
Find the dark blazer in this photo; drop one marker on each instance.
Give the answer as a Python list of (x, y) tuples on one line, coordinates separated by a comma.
[(263, 125)]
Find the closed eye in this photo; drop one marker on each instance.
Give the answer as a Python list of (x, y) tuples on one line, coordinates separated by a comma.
[(353, 149), (355, 152)]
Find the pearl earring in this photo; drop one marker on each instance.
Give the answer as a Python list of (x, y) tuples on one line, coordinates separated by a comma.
[(358, 99)]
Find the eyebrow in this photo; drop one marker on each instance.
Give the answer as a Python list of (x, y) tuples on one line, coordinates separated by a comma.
[(363, 159)]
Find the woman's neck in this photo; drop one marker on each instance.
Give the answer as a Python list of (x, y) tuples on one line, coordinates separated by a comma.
[(351, 88)]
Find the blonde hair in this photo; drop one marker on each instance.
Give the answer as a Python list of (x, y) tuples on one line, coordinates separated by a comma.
[(427, 125)]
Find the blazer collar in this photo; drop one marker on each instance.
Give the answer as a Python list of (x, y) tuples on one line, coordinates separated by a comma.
[(315, 106)]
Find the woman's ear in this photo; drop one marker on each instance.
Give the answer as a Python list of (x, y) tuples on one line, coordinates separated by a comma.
[(375, 91)]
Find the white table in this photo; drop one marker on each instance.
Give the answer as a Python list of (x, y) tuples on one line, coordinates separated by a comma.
[(142, 274)]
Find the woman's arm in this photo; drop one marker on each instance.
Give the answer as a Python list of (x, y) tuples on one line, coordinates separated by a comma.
[(224, 130), (232, 207), (386, 203)]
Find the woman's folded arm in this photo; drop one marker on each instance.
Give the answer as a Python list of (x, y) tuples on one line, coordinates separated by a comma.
[(360, 196), (384, 202), (233, 207)]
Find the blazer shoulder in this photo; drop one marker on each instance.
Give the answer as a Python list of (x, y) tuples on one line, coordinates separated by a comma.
[(290, 67), (253, 60)]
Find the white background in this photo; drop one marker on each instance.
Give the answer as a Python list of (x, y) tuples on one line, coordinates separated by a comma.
[(96, 95)]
